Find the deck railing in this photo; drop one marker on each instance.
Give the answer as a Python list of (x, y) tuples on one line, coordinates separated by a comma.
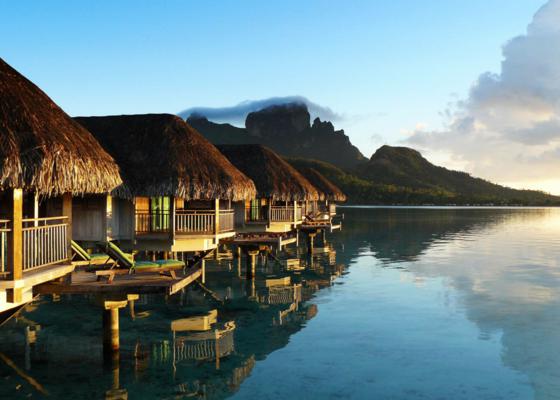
[(256, 214), (194, 221), (4, 229), (226, 220), (45, 241), (186, 221), (284, 214), (155, 222), (202, 221)]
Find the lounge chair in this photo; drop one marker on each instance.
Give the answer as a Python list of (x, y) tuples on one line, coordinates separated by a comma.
[(82, 257), (129, 266)]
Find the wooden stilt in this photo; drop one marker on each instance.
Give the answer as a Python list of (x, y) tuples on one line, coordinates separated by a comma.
[(251, 263), (111, 330), (15, 243), (203, 267)]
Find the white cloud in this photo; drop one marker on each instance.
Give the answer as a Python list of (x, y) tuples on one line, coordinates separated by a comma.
[(508, 129), (236, 114)]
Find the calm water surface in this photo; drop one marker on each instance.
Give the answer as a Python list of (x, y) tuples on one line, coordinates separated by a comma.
[(411, 304)]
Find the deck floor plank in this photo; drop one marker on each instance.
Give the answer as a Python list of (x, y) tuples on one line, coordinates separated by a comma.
[(86, 282)]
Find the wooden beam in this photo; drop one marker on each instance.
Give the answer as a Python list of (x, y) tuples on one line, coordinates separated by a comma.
[(216, 218), (36, 209), (111, 329), (172, 212), (188, 279), (269, 202), (15, 243), (67, 212), (108, 226)]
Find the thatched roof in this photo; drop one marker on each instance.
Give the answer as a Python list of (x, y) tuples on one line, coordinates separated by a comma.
[(161, 155), (42, 149), (273, 176), (327, 190)]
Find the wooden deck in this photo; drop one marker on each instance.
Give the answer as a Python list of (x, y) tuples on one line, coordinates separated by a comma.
[(321, 225), (86, 282), (256, 239)]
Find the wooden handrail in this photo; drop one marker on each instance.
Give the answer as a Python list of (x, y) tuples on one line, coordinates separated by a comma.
[(43, 219), (202, 222)]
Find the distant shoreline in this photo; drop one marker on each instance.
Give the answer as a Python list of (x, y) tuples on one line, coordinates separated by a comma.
[(435, 207)]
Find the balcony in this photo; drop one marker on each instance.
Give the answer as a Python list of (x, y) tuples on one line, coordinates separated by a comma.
[(4, 230), (285, 214), (188, 222), (45, 242)]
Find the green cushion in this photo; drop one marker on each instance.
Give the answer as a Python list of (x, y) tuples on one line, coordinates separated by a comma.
[(125, 258), (98, 256), (140, 265), (170, 263), (80, 251)]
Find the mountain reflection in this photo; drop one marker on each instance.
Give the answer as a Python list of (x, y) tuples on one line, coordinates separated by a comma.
[(504, 265), (403, 234)]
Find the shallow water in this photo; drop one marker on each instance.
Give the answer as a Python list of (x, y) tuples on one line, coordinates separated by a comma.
[(412, 304)]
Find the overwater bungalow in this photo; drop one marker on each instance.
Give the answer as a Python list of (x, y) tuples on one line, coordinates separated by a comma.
[(48, 158), (177, 187), (320, 213), (329, 194), (281, 190)]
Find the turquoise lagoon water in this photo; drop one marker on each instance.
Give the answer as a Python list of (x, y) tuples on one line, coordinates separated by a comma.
[(412, 303)]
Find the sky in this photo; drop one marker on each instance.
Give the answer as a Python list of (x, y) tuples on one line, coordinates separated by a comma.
[(472, 84)]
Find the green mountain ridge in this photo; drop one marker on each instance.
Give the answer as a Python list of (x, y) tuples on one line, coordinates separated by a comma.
[(388, 180), (393, 175)]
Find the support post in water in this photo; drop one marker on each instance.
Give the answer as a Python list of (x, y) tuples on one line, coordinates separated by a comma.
[(323, 238), (310, 240), (111, 334), (251, 263)]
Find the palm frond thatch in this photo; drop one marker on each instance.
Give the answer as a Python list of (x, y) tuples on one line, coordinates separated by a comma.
[(327, 190), (273, 176), (42, 149), (161, 155)]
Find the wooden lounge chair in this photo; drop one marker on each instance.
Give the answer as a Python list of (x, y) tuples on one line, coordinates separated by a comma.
[(81, 257), (129, 266)]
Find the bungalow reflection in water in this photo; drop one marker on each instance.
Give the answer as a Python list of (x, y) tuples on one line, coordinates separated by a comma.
[(204, 355)]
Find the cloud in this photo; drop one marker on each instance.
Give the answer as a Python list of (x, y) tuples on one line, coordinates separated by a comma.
[(509, 125), (236, 114)]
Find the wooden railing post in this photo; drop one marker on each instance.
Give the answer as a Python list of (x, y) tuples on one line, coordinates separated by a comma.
[(15, 241), (172, 222), (295, 213), (67, 212)]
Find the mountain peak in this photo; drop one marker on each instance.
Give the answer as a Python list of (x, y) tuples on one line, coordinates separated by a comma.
[(396, 151), (278, 120)]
